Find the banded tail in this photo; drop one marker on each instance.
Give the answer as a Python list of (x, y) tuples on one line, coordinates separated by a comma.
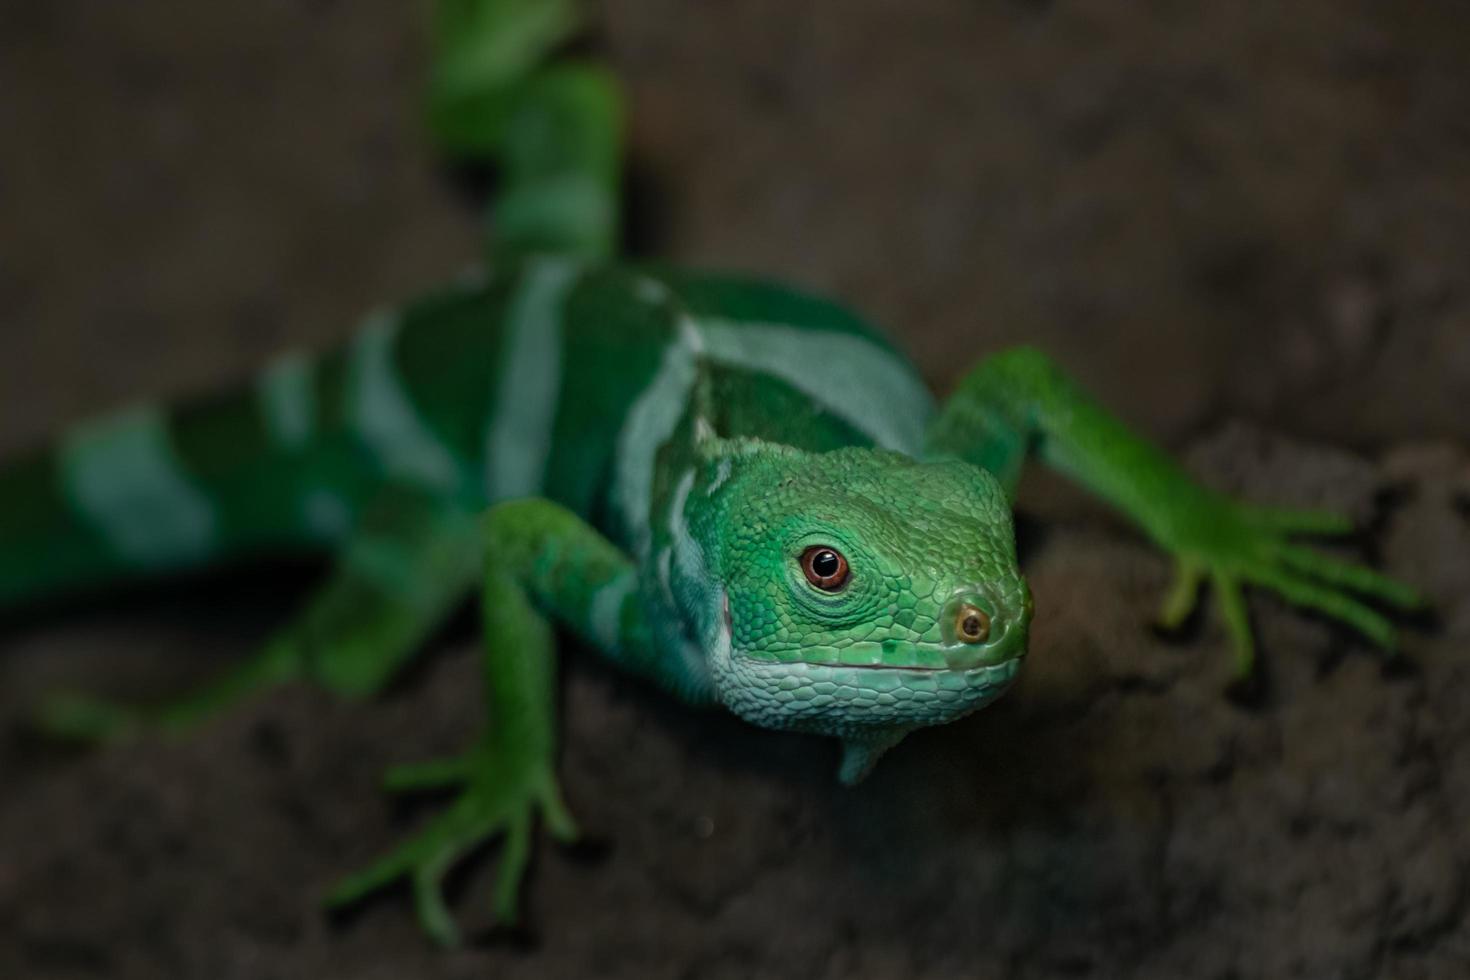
[(288, 461), (149, 490)]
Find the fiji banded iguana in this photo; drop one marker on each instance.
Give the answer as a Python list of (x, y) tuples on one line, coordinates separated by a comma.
[(740, 492)]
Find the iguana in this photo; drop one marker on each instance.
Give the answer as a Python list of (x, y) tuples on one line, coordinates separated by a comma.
[(740, 492)]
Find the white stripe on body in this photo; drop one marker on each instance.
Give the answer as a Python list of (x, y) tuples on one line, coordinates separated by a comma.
[(519, 432), (650, 422), (288, 405), (288, 401), (685, 557), (124, 475), (606, 614), (384, 416), (326, 514), (722, 474), (651, 291), (686, 554), (868, 387)]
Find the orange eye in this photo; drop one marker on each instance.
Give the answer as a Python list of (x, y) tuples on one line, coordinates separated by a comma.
[(824, 567)]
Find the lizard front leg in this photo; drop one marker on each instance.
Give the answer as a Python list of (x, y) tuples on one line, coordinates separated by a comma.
[(542, 563), (1018, 402)]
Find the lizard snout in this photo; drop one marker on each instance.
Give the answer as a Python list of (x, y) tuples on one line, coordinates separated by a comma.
[(981, 630)]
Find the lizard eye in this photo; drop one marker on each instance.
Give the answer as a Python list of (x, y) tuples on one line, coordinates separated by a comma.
[(824, 567)]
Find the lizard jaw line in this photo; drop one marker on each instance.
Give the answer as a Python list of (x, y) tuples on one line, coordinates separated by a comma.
[(1008, 666)]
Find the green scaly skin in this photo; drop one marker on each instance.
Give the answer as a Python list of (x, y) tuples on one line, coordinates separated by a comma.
[(638, 454)]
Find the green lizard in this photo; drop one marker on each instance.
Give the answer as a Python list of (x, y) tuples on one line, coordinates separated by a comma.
[(742, 493)]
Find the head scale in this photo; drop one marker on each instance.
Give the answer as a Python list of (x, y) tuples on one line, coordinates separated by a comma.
[(857, 593)]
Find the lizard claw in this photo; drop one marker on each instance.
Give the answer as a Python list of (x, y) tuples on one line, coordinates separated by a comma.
[(1235, 545), (492, 802)]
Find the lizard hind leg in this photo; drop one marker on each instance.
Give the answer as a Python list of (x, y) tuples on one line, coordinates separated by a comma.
[(408, 563)]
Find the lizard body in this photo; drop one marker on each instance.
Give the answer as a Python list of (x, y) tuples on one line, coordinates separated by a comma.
[(740, 492), (552, 379)]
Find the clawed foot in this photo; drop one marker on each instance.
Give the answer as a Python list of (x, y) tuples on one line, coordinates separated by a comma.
[(1234, 545), (495, 799)]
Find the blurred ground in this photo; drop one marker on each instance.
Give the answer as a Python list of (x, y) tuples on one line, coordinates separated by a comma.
[(1209, 216)]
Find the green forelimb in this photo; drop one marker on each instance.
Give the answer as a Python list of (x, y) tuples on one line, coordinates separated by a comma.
[(543, 564), (1018, 402)]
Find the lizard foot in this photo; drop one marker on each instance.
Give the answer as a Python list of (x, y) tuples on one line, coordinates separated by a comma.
[(1234, 545), (492, 802)]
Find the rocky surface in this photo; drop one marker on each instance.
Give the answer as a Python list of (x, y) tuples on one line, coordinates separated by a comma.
[(1207, 216)]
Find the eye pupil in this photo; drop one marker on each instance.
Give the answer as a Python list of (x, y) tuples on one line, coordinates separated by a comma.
[(824, 568)]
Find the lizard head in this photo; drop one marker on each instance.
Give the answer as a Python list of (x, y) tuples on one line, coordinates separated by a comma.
[(855, 593)]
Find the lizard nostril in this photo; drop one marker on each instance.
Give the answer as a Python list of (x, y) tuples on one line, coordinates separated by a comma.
[(971, 624)]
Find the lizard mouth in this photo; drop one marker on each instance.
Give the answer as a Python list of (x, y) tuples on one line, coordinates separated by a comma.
[(1002, 645), (915, 668), (893, 657), (1000, 671)]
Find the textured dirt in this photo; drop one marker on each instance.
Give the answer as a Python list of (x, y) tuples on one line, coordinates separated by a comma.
[(1244, 229)]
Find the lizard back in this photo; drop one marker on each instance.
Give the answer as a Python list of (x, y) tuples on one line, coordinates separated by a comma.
[(550, 379)]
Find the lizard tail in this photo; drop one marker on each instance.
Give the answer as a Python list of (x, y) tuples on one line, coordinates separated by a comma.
[(146, 491), (551, 128), (276, 464)]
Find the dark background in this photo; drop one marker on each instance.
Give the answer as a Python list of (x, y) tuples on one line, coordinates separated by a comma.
[(1246, 227)]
